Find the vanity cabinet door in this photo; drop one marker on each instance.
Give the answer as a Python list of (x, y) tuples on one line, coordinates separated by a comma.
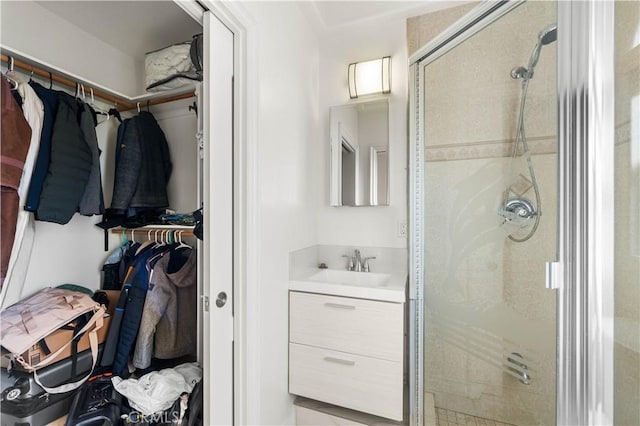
[(363, 327), (357, 382)]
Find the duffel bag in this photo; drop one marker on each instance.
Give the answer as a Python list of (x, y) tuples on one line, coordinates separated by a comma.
[(25, 323)]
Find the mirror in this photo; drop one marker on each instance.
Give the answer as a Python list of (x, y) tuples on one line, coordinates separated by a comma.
[(359, 151)]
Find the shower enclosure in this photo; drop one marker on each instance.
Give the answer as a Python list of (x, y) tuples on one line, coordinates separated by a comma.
[(512, 214), (490, 132)]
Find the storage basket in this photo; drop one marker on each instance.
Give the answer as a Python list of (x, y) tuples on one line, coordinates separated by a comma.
[(174, 66)]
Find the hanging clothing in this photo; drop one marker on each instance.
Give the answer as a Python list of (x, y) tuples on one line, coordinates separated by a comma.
[(143, 166), (113, 334), (50, 101), (168, 328), (114, 268), (92, 201), (70, 165), (16, 136), (136, 285), (17, 97), (33, 111)]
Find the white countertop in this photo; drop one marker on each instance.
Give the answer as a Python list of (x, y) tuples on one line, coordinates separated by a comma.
[(386, 287)]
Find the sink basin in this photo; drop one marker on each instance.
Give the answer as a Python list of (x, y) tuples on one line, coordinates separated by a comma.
[(368, 279), (387, 287)]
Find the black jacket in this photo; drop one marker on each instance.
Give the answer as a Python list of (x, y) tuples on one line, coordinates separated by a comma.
[(143, 166), (70, 165)]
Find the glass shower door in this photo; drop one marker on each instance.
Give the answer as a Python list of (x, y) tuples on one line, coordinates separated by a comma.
[(627, 214), (489, 123)]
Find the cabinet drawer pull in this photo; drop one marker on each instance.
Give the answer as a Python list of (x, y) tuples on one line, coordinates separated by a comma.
[(339, 306), (339, 360)]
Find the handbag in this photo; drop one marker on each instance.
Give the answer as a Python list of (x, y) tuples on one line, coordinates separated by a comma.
[(25, 323)]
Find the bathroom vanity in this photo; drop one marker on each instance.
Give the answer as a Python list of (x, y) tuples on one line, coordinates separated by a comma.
[(346, 340)]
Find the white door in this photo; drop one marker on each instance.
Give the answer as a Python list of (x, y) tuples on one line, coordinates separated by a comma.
[(217, 256)]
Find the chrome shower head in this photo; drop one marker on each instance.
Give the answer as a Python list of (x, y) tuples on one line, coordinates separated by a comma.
[(548, 35)]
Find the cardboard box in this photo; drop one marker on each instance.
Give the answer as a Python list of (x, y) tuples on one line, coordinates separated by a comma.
[(60, 337)]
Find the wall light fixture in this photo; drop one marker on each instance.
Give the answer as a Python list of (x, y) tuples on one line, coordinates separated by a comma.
[(366, 78)]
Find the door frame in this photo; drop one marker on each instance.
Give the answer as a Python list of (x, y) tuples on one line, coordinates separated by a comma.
[(245, 205), (476, 20), (585, 267), (583, 272)]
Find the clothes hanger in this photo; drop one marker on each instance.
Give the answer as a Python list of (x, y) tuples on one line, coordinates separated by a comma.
[(163, 242), (96, 108), (159, 244), (11, 76), (144, 244), (50, 81), (138, 105), (182, 244), (123, 239)]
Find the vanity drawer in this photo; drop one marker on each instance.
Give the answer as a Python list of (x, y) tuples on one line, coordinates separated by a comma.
[(360, 383), (307, 417), (363, 327)]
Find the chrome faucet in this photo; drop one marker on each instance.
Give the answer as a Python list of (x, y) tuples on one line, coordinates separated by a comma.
[(356, 263)]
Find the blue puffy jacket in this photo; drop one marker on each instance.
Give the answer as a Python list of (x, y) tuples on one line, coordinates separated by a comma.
[(135, 288)]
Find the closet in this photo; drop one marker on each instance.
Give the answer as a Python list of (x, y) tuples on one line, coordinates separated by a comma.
[(101, 46)]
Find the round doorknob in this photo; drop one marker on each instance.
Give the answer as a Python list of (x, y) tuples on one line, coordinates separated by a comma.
[(221, 300)]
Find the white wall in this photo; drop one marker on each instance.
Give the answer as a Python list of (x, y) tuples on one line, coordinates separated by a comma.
[(364, 226), (300, 76), (287, 138), (30, 28)]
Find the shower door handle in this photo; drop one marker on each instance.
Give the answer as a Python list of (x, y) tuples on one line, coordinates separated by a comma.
[(553, 273)]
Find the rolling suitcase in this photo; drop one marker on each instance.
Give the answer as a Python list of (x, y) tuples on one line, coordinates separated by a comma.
[(24, 403)]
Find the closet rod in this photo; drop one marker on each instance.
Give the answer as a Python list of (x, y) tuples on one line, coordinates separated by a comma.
[(123, 104), (151, 230)]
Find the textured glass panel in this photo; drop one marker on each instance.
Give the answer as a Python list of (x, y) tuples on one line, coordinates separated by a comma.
[(490, 327), (627, 214)]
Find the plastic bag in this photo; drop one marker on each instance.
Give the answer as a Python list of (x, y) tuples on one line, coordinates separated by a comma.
[(157, 391)]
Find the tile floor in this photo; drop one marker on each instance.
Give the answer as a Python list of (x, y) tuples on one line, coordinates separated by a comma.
[(453, 418)]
